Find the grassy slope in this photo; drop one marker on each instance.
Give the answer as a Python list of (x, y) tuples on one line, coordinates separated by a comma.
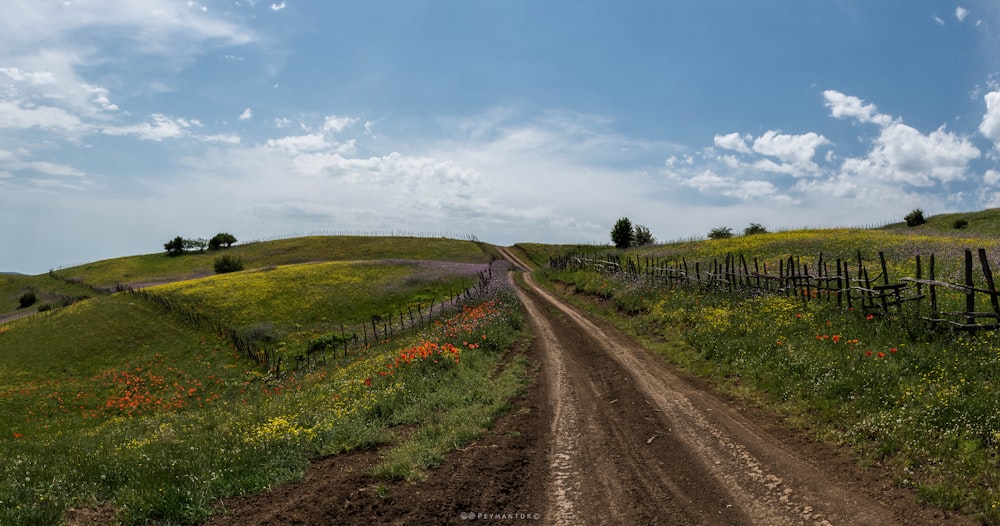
[(981, 223), (97, 396), (160, 267), (47, 289)]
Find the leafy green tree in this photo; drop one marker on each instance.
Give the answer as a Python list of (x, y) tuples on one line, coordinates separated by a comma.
[(754, 228), (622, 235), (642, 236), (175, 246), (915, 217), (721, 232), (221, 239)]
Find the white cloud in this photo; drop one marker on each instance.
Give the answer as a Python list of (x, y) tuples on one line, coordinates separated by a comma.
[(161, 127), (990, 126), (246, 115), (938, 20), (20, 114), (961, 13), (338, 124), (843, 106), (733, 141), (795, 149), (300, 143), (991, 177), (277, 7), (905, 155)]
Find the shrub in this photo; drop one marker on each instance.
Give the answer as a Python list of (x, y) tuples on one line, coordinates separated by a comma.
[(27, 299), (721, 232), (754, 228), (915, 217), (960, 224), (44, 307), (228, 263)]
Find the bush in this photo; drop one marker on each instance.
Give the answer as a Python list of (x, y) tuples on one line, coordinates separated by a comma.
[(915, 217), (27, 299), (721, 232), (228, 263), (754, 228), (960, 224)]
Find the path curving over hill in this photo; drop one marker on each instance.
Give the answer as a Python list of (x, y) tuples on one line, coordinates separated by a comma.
[(608, 434)]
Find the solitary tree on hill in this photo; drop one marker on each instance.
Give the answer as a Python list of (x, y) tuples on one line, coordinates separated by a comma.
[(622, 235), (221, 239)]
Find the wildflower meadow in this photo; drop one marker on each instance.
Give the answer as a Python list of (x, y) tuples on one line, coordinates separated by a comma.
[(114, 406)]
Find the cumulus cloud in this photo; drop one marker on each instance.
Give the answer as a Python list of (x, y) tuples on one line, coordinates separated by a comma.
[(795, 149), (847, 106), (246, 115), (733, 141), (277, 7), (961, 13), (905, 155), (990, 126)]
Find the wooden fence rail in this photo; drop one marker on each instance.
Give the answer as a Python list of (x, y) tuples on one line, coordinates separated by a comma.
[(849, 284)]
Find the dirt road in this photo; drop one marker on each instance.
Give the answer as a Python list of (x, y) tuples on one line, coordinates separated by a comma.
[(610, 434)]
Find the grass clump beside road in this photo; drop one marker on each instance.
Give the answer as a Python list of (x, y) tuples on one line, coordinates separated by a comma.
[(113, 406), (924, 403)]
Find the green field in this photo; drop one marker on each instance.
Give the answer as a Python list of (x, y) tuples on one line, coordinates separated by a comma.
[(160, 267), (117, 405)]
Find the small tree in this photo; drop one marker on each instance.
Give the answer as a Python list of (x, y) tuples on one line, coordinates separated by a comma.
[(622, 235), (754, 228), (960, 224), (915, 217), (721, 232), (175, 246), (195, 244), (221, 239), (642, 236)]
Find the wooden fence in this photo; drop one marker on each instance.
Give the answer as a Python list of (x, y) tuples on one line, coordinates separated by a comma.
[(849, 284)]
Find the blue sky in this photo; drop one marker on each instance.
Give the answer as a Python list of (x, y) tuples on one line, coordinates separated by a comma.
[(126, 123)]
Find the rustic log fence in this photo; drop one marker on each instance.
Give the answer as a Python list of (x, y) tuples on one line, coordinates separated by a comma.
[(848, 283)]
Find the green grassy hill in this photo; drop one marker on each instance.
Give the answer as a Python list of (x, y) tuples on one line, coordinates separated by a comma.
[(121, 405), (979, 223), (162, 268)]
